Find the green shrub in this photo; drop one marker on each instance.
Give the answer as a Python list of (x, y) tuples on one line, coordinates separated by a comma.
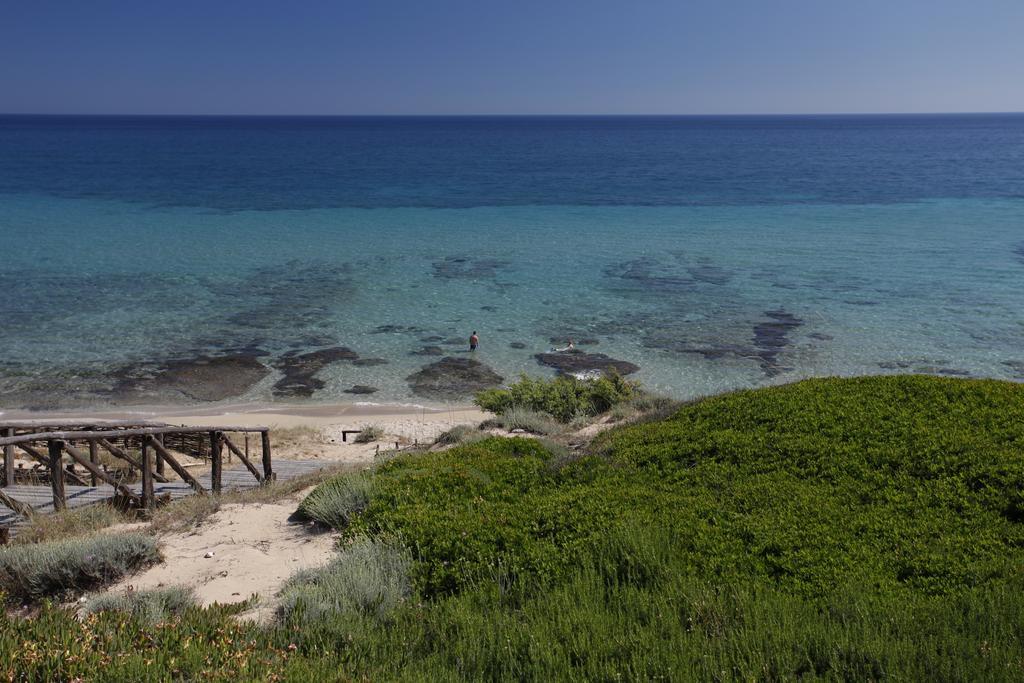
[(369, 434), (528, 420), (563, 397), (335, 501), (149, 606), (367, 577), (59, 568), (857, 529), (459, 434)]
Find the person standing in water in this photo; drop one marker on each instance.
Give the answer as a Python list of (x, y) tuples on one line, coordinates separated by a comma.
[(473, 341)]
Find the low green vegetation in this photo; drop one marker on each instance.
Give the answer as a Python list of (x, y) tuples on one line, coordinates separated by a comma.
[(368, 577), (148, 606), (563, 397), (458, 434), (837, 529), (63, 568), (524, 419), (369, 434), (335, 502)]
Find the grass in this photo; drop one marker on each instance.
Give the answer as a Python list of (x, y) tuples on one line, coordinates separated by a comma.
[(149, 606), (526, 419), (335, 502), (367, 577), (63, 568), (856, 529), (369, 434), (459, 434)]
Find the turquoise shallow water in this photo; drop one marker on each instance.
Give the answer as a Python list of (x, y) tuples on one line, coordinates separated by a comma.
[(149, 260), (94, 285)]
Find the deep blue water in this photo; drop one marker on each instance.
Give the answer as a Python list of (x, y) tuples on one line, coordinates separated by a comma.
[(714, 252)]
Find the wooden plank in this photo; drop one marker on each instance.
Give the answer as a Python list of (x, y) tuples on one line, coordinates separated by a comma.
[(94, 458), (159, 454), (96, 472), (268, 471), (241, 456), (153, 431), (147, 476), (22, 509), (215, 463), (56, 449), (119, 453), (9, 459), (176, 466)]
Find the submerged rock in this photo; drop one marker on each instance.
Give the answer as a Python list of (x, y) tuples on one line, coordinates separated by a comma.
[(300, 370), (577, 362), (368, 362), (516, 345), (361, 389), (771, 337), (467, 268), (1016, 366), (453, 378), (396, 329), (712, 275), (203, 378), (428, 351)]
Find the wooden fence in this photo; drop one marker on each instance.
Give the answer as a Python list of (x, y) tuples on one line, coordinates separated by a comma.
[(60, 448)]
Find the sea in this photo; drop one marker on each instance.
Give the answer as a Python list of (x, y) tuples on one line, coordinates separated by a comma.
[(176, 260)]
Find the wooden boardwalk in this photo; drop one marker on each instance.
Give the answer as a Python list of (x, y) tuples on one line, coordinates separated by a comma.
[(40, 497)]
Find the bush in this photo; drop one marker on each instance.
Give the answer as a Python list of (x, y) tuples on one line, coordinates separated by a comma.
[(563, 397), (150, 606), (368, 577), (369, 434), (335, 501), (527, 420), (59, 568), (459, 434)]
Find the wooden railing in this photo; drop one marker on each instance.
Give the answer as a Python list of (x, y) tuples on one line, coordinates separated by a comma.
[(68, 441)]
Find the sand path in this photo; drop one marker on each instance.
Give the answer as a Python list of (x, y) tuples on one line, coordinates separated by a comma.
[(241, 550)]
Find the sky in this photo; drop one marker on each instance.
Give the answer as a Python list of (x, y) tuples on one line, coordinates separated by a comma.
[(510, 56)]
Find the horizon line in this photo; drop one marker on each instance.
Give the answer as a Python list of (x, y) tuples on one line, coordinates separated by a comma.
[(518, 115)]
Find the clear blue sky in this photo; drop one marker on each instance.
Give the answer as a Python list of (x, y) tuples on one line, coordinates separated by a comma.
[(511, 56)]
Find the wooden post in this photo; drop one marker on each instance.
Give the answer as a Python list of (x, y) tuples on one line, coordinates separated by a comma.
[(94, 458), (268, 472), (147, 476), (9, 460), (159, 456), (60, 500), (215, 464)]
